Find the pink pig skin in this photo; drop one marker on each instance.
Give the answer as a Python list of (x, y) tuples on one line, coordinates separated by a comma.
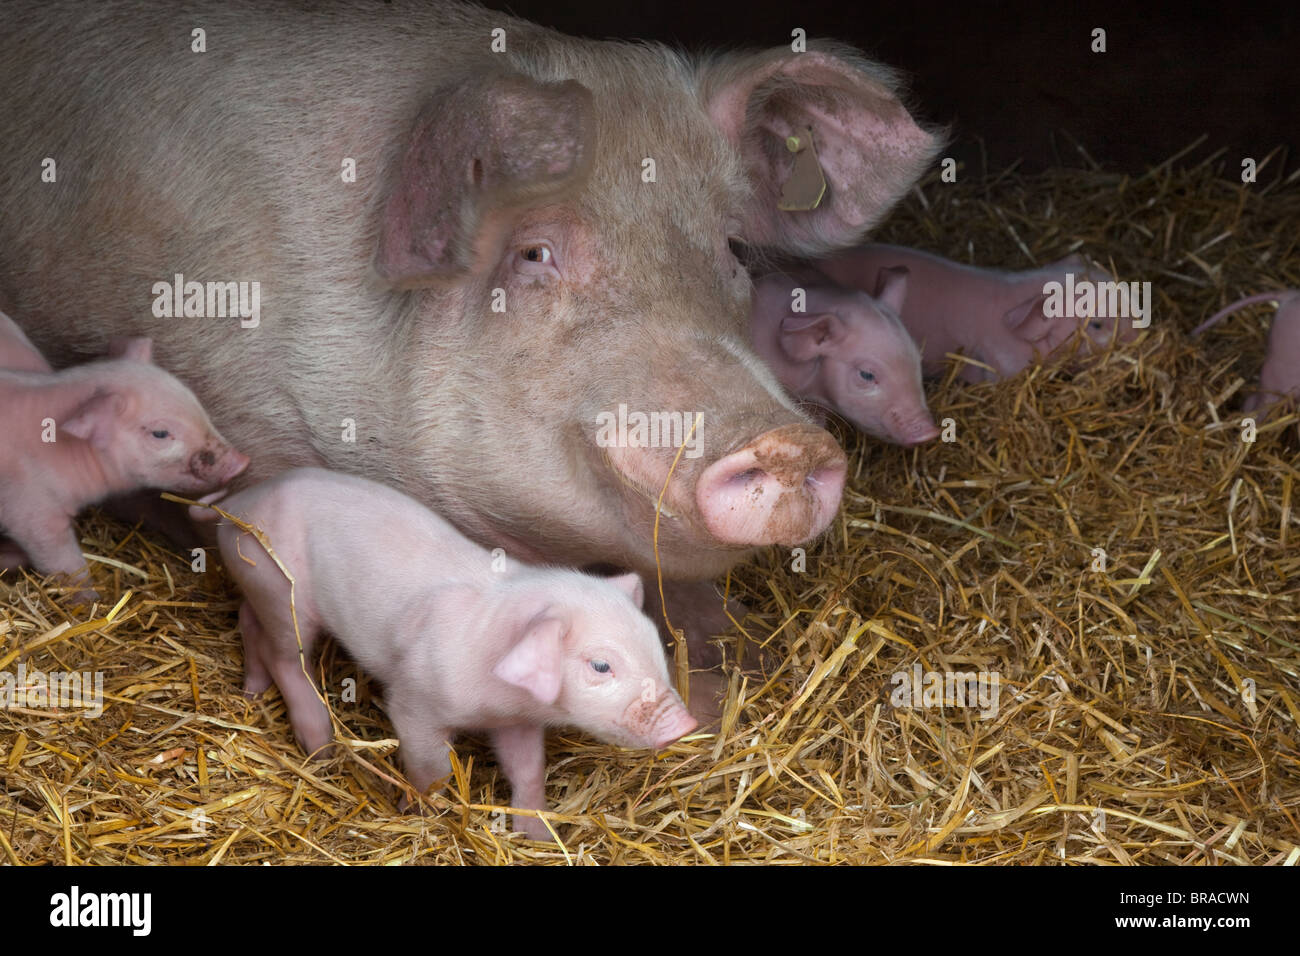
[(105, 415), (17, 354), (993, 316), (847, 351), (457, 643), (1279, 377)]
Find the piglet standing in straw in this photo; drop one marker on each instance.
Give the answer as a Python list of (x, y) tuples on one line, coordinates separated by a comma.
[(72, 438), (461, 638), (1279, 377)]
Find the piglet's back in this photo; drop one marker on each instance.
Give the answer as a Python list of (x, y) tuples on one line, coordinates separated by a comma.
[(326, 522)]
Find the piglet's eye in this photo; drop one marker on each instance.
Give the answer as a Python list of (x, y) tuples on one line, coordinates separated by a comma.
[(161, 433), (1095, 325), (600, 667), (866, 376)]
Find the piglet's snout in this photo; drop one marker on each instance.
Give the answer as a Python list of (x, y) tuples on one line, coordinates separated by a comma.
[(914, 428), (657, 723), (216, 463)]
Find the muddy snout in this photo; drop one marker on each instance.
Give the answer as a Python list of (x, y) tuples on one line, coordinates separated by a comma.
[(783, 487), (657, 723), (216, 464)]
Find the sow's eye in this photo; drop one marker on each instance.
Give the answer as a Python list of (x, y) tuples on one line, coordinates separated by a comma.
[(534, 258), (160, 433), (866, 376), (600, 667)]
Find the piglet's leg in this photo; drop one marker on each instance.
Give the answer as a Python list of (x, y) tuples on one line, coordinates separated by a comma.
[(49, 540), (521, 750), (425, 749), (51, 543), (271, 649), (256, 677), (307, 713)]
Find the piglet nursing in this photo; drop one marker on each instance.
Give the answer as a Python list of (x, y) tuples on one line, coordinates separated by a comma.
[(461, 639), (72, 438)]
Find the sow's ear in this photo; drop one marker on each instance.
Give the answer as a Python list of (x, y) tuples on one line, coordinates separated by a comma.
[(498, 143), (869, 147)]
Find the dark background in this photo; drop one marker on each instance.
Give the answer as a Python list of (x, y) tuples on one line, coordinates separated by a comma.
[(1018, 79)]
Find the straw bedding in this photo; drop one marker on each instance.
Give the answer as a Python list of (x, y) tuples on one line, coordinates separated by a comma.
[(1146, 714)]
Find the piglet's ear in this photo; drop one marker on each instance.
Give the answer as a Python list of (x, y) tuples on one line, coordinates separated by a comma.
[(805, 337), (535, 663), (95, 421), (891, 288), (1027, 319), (630, 584), (481, 151), (137, 349)]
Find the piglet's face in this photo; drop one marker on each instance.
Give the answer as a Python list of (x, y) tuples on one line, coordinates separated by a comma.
[(157, 437), (870, 368), (178, 452), (616, 682), (595, 660), (879, 390), (1099, 320)]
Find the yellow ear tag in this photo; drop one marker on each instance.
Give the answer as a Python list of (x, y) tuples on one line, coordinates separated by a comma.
[(807, 185)]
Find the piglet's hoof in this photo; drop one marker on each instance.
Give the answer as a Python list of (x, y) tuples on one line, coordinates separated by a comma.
[(86, 597), (418, 807), (533, 828), (415, 807), (322, 754)]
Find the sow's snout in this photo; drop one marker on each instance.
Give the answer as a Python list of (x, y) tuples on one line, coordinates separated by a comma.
[(783, 487)]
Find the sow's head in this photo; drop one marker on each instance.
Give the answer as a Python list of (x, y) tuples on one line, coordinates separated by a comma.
[(567, 217)]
